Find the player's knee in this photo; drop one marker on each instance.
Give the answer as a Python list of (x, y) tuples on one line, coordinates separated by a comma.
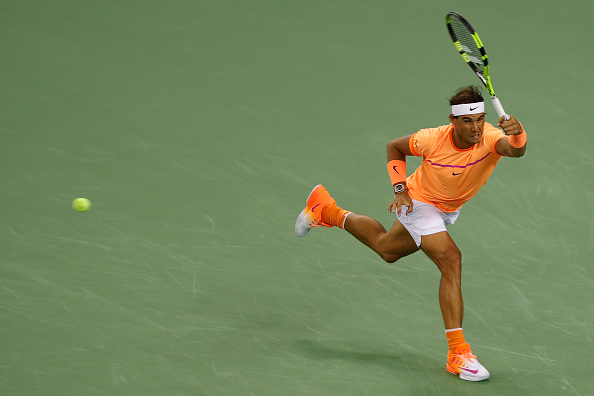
[(451, 263), (389, 257), (456, 257)]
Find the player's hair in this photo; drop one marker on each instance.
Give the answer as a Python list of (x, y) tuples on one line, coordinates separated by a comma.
[(469, 94)]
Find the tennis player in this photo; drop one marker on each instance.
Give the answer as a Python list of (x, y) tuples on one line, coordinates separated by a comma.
[(457, 160)]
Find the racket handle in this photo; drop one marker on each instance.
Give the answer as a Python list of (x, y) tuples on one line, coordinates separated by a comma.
[(499, 108)]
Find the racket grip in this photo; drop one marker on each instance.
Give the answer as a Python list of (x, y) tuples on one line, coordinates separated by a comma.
[(499, 108)]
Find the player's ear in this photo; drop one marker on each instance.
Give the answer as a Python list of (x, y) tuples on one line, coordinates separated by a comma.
[(452, 118)]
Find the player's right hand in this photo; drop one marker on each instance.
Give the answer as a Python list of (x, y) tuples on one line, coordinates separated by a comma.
[(511, 126)]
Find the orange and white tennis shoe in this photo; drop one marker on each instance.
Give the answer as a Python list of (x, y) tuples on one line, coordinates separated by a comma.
[(311, 216), (464, 364)]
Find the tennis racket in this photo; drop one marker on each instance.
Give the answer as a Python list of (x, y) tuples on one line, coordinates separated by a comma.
[(473, 52)]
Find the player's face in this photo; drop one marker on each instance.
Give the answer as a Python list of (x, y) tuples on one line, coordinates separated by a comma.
[(468, 129)]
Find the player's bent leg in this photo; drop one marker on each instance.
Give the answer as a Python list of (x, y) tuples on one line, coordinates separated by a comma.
[(389, 245), (445, 254)]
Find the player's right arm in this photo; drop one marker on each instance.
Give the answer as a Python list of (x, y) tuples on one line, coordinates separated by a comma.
[(398, 149)]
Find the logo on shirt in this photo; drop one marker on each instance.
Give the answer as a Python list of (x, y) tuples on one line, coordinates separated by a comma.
[(456, 174)]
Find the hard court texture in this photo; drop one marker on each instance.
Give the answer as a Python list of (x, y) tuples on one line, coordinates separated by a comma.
[(197, 129)]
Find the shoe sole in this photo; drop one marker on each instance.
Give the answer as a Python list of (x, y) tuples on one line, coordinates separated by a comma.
[(466, 377), (302, 225)]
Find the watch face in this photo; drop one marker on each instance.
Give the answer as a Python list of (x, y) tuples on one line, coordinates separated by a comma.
[(398, 188)]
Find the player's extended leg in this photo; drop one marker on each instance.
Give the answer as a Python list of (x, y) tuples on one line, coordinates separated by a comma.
[(321, 210), (390, 245)]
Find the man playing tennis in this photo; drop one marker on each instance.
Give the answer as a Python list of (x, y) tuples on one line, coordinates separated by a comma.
[(457, 161)]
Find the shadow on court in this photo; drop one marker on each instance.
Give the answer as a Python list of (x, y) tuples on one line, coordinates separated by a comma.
[(400, 361)]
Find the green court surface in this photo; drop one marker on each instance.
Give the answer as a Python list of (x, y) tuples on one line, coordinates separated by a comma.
[(198, 128)]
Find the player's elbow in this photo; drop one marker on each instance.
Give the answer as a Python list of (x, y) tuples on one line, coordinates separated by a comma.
[(519, 152), (398, 148), (513, 152), (391, 146)]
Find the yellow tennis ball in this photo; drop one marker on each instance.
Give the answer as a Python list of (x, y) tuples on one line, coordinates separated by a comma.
[(81, 204)]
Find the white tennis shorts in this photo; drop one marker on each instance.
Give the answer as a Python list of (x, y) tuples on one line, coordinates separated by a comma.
[(426, 219)]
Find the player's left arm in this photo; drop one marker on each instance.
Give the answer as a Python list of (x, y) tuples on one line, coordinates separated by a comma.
[(513, 129)]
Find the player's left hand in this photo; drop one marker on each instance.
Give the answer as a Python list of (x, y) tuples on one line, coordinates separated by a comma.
[(511, 126)]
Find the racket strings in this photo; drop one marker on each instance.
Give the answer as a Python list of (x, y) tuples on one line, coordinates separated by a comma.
[(468, 44)]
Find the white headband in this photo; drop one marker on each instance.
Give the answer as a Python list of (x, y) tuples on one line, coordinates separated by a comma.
[(468, 108)]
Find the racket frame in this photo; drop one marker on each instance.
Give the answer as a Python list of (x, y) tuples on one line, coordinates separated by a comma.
[(484, 76)]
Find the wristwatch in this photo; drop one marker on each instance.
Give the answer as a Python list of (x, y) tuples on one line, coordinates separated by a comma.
[(398, 188)]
